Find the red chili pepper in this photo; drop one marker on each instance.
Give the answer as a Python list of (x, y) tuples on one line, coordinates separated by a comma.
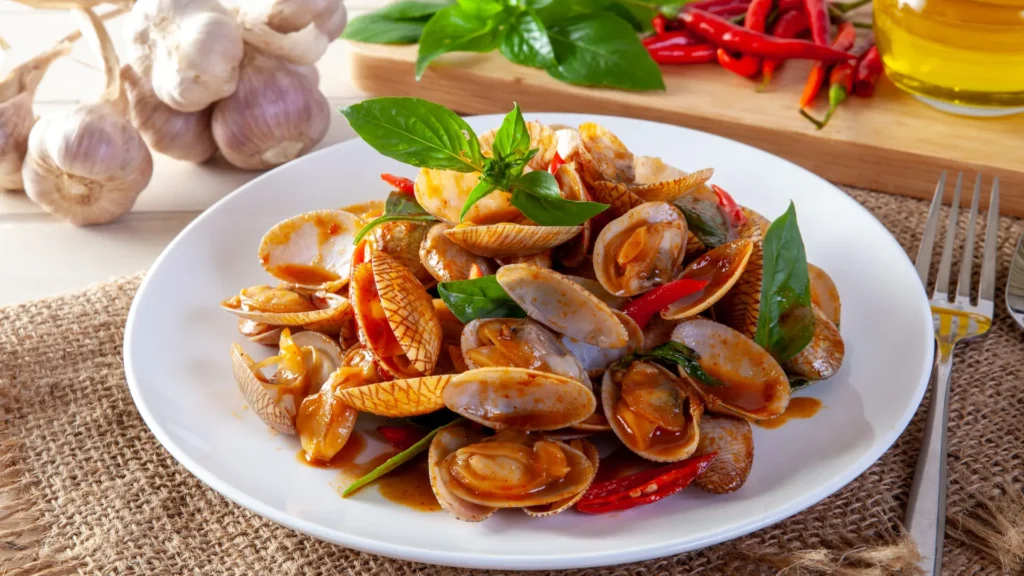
[(671, 38), (869, 70), (729, 206), (729, 10), (643, 308), (695, 54), (817, 16), (659, 23), (746, 66), (840, 82), (403, 185), (845, 39), (787, 5), (757, 15), (790, 24), (401, 437), (642, 487), (556, 163), (727, 35)]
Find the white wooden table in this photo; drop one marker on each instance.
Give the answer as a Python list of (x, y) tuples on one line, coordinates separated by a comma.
[(40, 255)]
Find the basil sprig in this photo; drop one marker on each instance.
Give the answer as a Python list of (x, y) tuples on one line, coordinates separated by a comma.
[(785, 322), (399, 206), (585, 42), (671, 354), (478, 298)]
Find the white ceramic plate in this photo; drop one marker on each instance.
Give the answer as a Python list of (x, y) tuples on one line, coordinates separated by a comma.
[(177, 363)]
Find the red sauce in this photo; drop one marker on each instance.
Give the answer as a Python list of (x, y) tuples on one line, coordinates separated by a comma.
[(621, 463), (345, 459), (302, 274), (798, 408), (409, 485)]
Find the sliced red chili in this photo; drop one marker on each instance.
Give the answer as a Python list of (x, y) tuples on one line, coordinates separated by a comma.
[(556, 163), (643, 308), (729, 206), (643, 487), (402, 437), (403, 185)]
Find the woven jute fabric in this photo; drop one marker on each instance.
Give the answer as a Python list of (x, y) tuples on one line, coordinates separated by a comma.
[(85, 487)]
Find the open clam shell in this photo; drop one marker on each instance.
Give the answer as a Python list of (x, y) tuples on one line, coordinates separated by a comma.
[(562, 305), (603, 156), (311, 250), (324, 423), (327, 356), (596, 359), (280, 416), (749, 383), (552, 508), (518, 343), (446, 442), (366, 211), (740, 306), (824, 293), (659, 182), (640, 249), (259, 333), (542, 138), (619, 197), (595, 288), (285, 307), (733, 440), (823, 355), (573, 252), (446, 261), (518, 398), (442, 193), (721, 268), (652, 412), (398, 398), (505, 239), (402, 240)]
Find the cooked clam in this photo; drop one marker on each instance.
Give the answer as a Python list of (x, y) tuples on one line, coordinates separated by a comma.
[(823, 355), (311, 250), (542, 259), (740, 306), (742, 378), (652, 411), (641, 249), (398, 398), (824, 293), (442, 193), (562, 305), (401, 240), (603, 156), (542, 138), (447, 442), (596, 359), (721, 268), (573, 252), (552, 508), (446, 261), (617, 195), (283, 306), (733, 441), (507, 239), (503, 398), (366, 210), (324, 423), (259, 333), (518, 343), (656, 181), (595, 288)]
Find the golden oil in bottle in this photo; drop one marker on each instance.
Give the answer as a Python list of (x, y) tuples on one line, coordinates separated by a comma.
[(968, 53)]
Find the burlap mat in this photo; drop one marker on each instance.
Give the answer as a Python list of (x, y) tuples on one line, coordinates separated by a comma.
[(84, 486)]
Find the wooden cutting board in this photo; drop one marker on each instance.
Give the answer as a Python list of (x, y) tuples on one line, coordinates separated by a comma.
[(890, 142)]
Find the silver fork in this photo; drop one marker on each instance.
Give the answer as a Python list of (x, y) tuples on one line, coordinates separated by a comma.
[(955, 319)]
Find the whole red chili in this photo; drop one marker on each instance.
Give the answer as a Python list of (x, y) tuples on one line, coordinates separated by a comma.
[(746, 66), (729, 207), (818, 18), (790, 24), (787, 5), (840, 82), (403, 185), (869, 70), (845, 39), (730, 10), (556, 163), (694, 54), (727, 35), (642, 487), (672, 38), (659, 23), (642, 308)]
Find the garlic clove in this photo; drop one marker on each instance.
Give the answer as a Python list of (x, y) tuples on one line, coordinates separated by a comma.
[(183, 135), (276, 115), (297, 30)]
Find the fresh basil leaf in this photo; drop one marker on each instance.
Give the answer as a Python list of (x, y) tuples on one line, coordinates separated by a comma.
[(634, 14), (602, 49), (411, 9), (399, 206), (478, 298), (558, 11), (481, 8), (704, 219), (539, 182), (670, 355), (395, 461), (785, 322), (482, 188), (512, 137), (383, 30), (526, 41), (416, 132), (454, 29), (536, 195)]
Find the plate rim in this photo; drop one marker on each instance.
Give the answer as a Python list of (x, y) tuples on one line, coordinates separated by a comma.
[(463, 559)]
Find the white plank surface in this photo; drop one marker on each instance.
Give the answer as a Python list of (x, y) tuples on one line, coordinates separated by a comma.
[(44, 256)]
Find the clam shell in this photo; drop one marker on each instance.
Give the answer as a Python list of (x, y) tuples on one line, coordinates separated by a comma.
[(253, 388), (366, 210), (674, 186), (398, 398), (510, 240), (541, 137), (550, 509), (596, 359), (603, 156), (518, 398), (611, 391), (733, 440), (595, 288), (722, 268), (617, 195), (752, 384), (824, 293), (447, 441), (573, 252), (740, 306), (324, 423), (823, 355), (311, 250), (562, 305), (446, 261), (328, 356), (334, 306), (606, 249), (651, 170), (401, 240), (546, 353), (259, 333), (442, 193)]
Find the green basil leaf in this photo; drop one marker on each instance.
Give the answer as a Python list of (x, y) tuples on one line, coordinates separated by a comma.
[(416, 132), (670, 355), (526, 41), (398, 207), (481, 8), (602, 50), (382, 30), (635, 15), (558, 11), (482, 188), (704, 219), (395, 461), (536, 195), (785, 322), (512, 137), (539, 182), (412, 9), (478, 298), (454, 29)]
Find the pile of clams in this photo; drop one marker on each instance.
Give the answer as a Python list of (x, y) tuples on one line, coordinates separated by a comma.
[(363, 327)]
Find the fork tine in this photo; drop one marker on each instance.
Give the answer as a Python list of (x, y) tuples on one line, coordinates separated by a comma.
[(963, 285), (946, 263), (986, 292), (924, 253)]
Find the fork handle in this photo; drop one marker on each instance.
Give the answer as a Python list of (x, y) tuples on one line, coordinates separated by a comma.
[(926, 507)]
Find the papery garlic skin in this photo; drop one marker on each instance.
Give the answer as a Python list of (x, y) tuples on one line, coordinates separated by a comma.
[(193, 49), (86, 165), (183, 135), (16, 121), (276, 115), (297, 30)]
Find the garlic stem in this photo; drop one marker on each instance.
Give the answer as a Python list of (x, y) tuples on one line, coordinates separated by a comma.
[(114, 91)]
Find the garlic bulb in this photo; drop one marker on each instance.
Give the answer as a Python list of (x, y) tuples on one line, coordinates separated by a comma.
[(89, 164), (276, 115), (192, 47), (182, 135), (296, 30), (17, 91)]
